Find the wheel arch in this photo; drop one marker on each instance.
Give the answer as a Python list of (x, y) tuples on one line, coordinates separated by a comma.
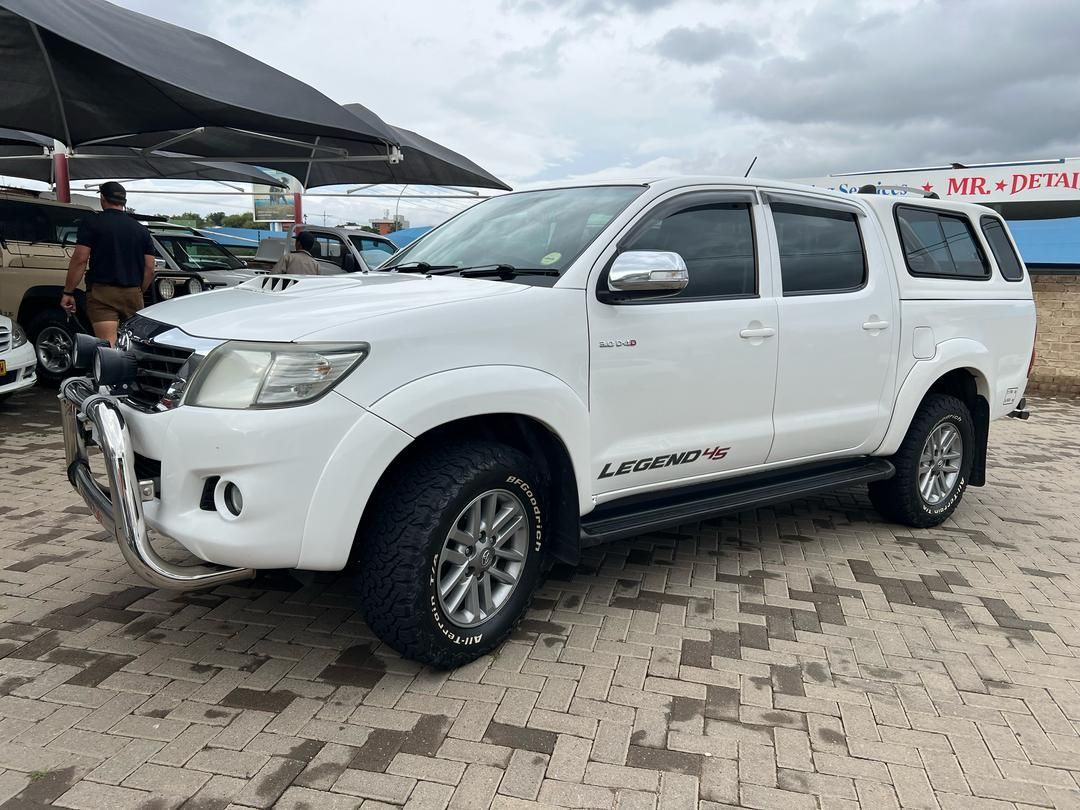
[(525, 408), (959, 368)]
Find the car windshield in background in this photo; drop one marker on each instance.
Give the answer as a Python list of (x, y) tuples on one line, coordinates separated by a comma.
[(198, 254), (528, 230), (374, 251)]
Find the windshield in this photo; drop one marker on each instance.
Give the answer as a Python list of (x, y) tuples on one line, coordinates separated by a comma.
[(373, 251), (191, 253), (532, 229)]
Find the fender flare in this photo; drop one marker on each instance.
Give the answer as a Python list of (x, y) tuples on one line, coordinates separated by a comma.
[(447, 396), (953, 354)]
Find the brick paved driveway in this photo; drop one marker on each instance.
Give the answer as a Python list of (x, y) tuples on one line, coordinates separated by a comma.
[(807, 656)]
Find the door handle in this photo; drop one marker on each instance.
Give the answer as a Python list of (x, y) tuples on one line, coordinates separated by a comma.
[(874, 326), (760, 332)]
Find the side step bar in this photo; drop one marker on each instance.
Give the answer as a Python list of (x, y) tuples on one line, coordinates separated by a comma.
[(643, 513)]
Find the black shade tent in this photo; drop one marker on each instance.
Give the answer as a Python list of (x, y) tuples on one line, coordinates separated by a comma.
[(82, 71), (26, 155), (92, 74), (327, 161)]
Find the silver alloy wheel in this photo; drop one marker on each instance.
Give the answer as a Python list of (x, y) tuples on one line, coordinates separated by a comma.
[(939, 463), (482, 558), (54, 345)]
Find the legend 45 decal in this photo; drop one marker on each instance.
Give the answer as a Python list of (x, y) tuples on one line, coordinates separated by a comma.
[(613, 468)]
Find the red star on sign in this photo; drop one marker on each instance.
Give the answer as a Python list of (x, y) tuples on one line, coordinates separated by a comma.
[(999, 185), (927, 187)]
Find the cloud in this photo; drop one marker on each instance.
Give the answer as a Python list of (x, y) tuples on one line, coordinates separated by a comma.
[(704, 44), (540, 91)]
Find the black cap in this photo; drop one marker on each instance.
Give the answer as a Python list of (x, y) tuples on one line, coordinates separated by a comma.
[(113, 192)]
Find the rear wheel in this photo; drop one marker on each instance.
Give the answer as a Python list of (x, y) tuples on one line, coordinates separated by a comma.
[(52, 333), (451, 551), (933, 465)]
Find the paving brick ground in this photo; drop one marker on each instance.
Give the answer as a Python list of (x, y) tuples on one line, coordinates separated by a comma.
[(806, 656)]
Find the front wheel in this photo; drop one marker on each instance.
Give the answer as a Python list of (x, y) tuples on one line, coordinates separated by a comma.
[(933, 465), (451, 550)]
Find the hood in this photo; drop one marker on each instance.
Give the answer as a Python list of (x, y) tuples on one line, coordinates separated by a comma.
[(285, 308)]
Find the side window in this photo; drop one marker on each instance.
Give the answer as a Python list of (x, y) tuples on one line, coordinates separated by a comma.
[(24, 222), (821, 250), (938, 244), (1012, 269), (716, 240), (330, 249)]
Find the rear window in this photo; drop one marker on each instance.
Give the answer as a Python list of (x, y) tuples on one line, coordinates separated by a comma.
[(821, 250), (1007, 261), (940, 245), (27, 222)]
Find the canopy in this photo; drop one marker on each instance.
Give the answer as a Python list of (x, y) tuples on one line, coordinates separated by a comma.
[(86, 70), (26, 155), (331, 161)]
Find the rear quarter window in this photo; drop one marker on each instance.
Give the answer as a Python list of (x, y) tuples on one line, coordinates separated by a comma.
[(939, 244), (1012, 269)]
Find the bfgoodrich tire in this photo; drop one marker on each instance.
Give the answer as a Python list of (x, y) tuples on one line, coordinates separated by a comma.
[(451, 550), (933, 465)]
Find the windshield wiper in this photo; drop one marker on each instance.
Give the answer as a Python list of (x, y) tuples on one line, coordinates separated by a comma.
[(505, 271), (417, 267)]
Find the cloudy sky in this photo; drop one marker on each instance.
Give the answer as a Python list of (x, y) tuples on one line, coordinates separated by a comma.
[(546, 90)]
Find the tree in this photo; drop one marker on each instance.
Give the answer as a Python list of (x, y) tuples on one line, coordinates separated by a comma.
[(245, 220), (188, 217), (216, 217)]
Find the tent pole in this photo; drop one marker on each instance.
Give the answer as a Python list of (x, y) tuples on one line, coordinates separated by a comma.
[(298, 206), (61, 182)]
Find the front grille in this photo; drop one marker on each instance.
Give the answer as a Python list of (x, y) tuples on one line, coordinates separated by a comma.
[(5, 338), (10, 377), (158, 366)]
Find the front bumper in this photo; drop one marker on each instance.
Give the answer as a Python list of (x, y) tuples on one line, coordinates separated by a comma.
[(120, 509), (21, 369)]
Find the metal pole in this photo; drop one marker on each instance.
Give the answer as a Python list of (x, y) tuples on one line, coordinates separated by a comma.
[(298, 205), (61, 183)]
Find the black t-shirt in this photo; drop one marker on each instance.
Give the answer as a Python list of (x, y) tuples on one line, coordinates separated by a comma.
[(118, 245)]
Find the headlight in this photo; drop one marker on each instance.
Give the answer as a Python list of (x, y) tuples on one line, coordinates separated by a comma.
[(166, 288), (272, 375), (18, 336), (194, 286)]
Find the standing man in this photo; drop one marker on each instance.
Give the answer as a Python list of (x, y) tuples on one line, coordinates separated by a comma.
[(121, 257), (300, 261)]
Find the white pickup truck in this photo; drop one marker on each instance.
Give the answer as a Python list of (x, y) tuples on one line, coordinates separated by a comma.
[(548, 370)]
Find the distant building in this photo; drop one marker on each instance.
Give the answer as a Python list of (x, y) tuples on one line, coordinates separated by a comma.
[(389, 224)]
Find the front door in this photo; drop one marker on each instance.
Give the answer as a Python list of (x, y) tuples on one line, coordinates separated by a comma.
[(681, 386), (839, 319)]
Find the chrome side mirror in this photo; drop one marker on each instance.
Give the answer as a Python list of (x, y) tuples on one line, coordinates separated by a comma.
[(648, 271)]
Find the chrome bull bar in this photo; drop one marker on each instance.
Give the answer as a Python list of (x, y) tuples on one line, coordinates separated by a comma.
[(120, 509)]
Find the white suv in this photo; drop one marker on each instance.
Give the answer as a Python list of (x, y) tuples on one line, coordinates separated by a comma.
[(551, 369)]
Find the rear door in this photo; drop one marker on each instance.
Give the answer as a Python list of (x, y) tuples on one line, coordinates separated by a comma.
[(839, 329)]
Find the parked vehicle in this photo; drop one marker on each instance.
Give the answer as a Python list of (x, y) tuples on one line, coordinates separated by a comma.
[(338, 250), (552, 369), (17, 359), (37, 237)]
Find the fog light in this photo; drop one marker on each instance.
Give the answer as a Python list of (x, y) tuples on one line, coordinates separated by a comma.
[(113, 367), (82, 353), (194, 286), (228, 499), (166, 289)]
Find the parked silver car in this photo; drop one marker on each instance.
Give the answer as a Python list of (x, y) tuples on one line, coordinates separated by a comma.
[(337, 250)]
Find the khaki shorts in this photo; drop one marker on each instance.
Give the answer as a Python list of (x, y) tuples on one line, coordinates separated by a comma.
[(107, 303)]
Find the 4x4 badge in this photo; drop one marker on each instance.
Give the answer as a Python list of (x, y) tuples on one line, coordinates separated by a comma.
[(628, 343)]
